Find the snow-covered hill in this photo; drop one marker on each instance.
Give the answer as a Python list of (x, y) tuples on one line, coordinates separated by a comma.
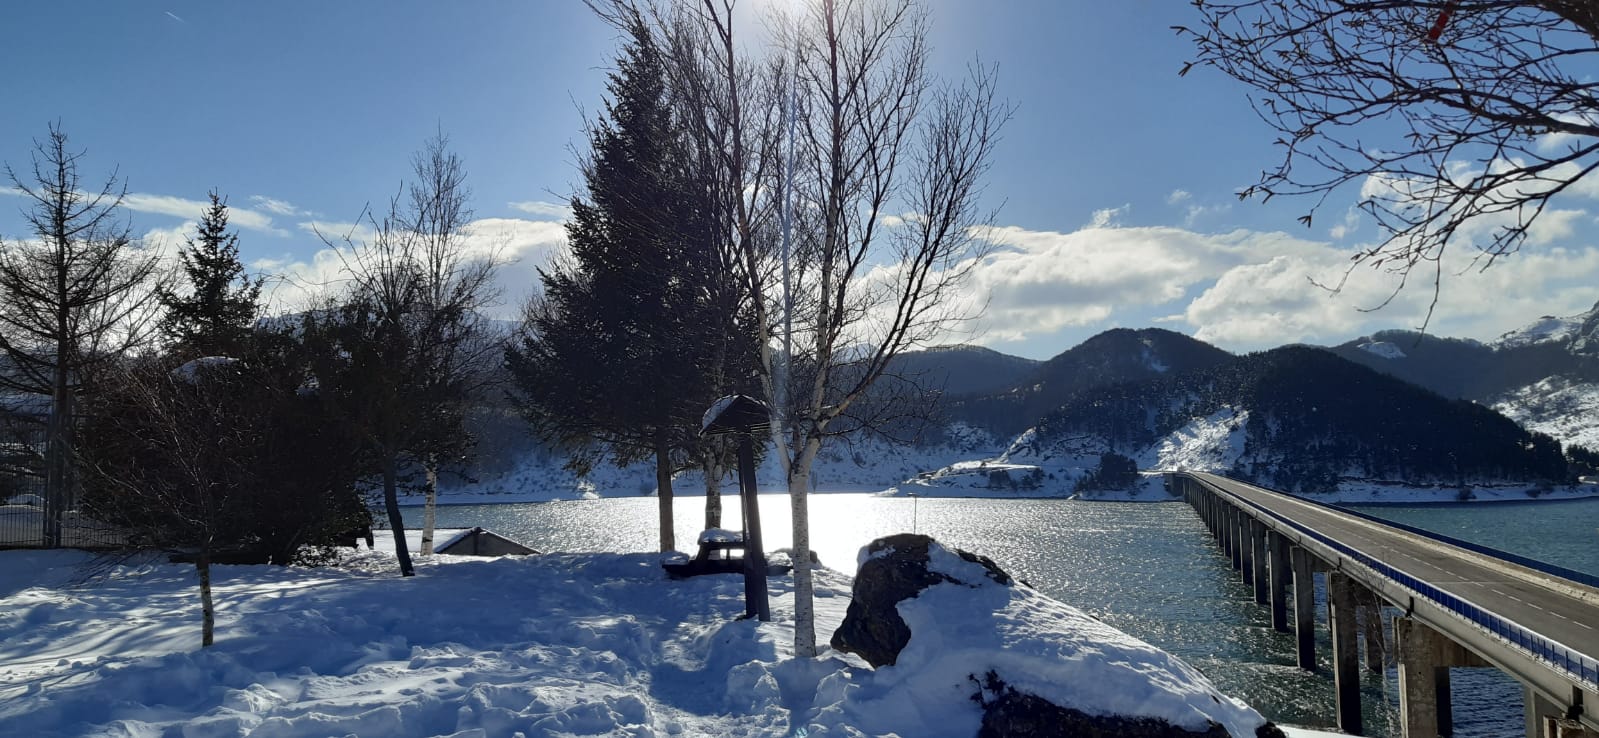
[(1547, 329), (1579, 333), (1561, 407)]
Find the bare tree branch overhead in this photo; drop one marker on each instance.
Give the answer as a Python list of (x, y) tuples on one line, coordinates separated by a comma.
[(1460, 121)]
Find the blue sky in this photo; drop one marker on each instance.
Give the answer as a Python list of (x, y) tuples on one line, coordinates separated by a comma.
[(1115, 180)]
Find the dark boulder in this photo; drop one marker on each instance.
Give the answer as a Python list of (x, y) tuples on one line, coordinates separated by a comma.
[(895, 569)]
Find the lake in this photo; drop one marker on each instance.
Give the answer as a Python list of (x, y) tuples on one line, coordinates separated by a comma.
[(1150, 569)]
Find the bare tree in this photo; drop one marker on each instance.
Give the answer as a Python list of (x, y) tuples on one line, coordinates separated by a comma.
[(76, 295), (176, 462), (875, 131), (839, 134), (408, 341), (1459, 120)]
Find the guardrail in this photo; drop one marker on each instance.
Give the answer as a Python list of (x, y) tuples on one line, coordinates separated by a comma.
[(1534, 564), (1575, 665)]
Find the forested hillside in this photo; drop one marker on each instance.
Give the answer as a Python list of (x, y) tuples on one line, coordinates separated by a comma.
[(1311, 417)]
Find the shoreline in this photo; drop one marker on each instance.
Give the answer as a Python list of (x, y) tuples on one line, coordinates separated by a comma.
[(1440, 496)]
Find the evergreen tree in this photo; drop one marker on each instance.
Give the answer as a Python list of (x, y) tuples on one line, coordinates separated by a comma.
[(632, 339), (217, 315)]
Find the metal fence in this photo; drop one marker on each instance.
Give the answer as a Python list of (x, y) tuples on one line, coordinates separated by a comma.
[(26, 514)]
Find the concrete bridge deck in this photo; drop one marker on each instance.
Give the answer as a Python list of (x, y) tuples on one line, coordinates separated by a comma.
[(1458, 607)]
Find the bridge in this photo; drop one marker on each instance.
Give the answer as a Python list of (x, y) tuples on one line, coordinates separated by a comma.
[(1459, 605)]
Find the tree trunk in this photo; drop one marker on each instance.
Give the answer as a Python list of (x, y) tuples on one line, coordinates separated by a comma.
[(428, 507), (663, 485), (799, 483), (391, 503), (57, 458), (713, 494), (208, 613)]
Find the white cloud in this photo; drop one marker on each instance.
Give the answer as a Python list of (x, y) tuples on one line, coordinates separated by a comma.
[(1108, 217), (1274, 302), (191, 209), (1178, 197), (1195, 212), (337, 231), (187, 209), (1247, 290), (523, 246), (557, 211), (1350, 222), (276, 206)]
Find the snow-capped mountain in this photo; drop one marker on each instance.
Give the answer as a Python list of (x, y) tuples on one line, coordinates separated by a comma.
[(1544, 375), (1577, 333)]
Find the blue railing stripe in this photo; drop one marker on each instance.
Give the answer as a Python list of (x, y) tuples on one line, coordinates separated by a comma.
[(1555, 655)]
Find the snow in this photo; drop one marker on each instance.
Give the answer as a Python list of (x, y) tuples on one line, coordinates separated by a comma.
[(1213, 442), (1564, 408), (1384, 349), (556, 644), (717, 408), (194, 368), (1547, 329), (720, 535)]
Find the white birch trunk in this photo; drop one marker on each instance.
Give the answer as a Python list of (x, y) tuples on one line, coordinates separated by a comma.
[(799, 485), (429, 508)]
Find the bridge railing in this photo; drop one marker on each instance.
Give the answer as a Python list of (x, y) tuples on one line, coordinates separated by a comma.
[(1572, 663), (1534, 564)]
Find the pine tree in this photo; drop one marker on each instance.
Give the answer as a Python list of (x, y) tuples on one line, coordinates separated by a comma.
[(217, 315), (629, 343)]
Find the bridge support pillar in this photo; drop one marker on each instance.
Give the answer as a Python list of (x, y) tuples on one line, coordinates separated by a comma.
[(1346, 655), (1234, 551), (1304, 607), (1372, 631), (1545, 719), (1424, 702), (1224, 521), (1258, 553), (1246, 559), (1277, 552)]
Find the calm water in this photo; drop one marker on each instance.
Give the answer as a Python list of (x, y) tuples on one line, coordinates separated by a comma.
[(1149, 569)]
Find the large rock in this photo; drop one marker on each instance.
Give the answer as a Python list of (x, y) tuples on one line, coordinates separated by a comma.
[(939, 621), (892, 570)]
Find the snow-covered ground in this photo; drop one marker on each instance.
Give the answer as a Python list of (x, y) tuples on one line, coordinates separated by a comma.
[(559, 644), (1557, 406)]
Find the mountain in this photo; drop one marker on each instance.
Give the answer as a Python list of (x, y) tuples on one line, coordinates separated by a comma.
[(1116, 356), (963, 370), (1544, 375), (1578, 334), (1297, 418)]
